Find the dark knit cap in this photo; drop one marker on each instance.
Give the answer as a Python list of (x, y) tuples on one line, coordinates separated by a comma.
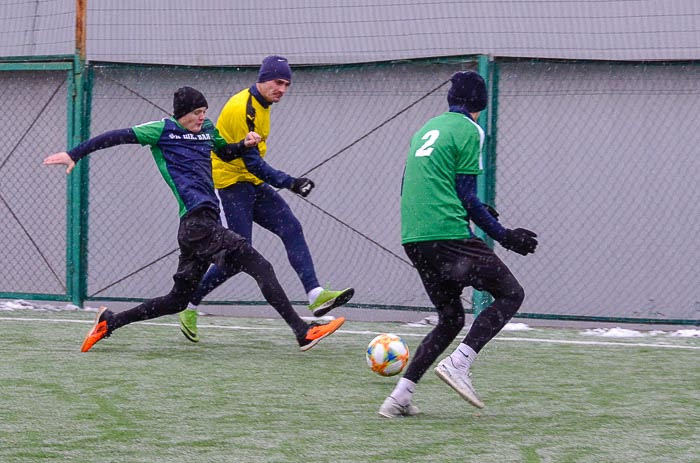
[(468, 91), (274, 67), (187, 99)]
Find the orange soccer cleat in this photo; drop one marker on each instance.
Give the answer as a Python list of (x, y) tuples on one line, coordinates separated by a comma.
[(99, 330), (316, 332)]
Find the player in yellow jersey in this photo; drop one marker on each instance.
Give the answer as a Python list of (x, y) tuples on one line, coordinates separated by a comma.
[(247, 188)]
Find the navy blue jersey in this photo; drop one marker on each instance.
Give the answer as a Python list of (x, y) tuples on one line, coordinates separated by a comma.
[(183, 157)]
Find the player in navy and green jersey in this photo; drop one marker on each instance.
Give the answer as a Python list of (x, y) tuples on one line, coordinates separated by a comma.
[(438, 199), (182, 146), (176, 160)]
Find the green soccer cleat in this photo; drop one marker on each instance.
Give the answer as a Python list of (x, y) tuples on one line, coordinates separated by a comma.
[(188, 324), (328, 300)]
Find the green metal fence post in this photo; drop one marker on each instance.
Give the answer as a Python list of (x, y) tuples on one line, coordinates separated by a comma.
[(76, 193), (77, 188), (486, 185)]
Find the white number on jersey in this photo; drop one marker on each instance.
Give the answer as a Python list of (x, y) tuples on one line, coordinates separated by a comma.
[(431, 137)]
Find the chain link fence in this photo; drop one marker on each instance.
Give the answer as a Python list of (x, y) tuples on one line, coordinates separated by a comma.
[(600, 159), (347, 129), (32, 202)]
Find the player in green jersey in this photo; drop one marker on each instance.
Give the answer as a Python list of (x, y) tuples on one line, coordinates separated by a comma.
[(438, 199)]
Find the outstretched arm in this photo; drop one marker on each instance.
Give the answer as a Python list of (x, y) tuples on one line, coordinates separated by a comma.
[(106, 140)]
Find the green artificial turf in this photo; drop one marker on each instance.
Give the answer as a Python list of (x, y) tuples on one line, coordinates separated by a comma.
[(245, 393)]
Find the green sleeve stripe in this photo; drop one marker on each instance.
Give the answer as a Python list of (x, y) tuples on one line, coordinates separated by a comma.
[(149, 133), (219, 141)]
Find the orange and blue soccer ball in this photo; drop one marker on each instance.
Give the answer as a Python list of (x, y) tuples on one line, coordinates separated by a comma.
[(387, 354)]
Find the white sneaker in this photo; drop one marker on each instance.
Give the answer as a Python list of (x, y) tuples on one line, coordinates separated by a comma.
[(458, 380), (391, 409)]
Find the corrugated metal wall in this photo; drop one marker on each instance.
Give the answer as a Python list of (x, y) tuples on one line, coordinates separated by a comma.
[(220, 32)]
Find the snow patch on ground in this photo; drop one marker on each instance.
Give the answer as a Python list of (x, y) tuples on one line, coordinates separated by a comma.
[(516, 327), (19, 304), (618, 332)]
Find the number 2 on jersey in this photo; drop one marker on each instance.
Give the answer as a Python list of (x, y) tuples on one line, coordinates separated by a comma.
[(430, 138)]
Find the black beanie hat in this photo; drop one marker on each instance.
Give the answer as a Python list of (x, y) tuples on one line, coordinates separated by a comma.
[(468, 91), (187, 99), (274, 67)]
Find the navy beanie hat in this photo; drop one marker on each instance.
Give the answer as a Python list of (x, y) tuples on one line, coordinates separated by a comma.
[(187, 99), (468, 91), (274, 67)]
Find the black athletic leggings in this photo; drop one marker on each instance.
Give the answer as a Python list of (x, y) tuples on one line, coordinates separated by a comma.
[(203, 240), (446, 268)]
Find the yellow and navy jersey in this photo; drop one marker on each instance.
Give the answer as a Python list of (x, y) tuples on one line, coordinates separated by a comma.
[(233, 125)]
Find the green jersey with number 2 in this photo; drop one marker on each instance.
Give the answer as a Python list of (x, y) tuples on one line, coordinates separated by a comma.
[(445, 146)]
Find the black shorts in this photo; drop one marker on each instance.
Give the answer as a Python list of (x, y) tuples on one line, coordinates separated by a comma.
[(203, 240), (446, 267)]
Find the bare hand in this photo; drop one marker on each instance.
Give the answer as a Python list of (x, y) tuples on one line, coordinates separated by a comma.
[(252, 139), (61, 158)]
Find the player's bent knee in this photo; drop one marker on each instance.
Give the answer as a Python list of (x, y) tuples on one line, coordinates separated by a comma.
[(257, 266), (263, 266), (511, 291), (517, 293)]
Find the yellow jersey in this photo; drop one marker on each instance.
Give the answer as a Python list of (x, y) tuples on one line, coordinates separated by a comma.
[(233, 126)]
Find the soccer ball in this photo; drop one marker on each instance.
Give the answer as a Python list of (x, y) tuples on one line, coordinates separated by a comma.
[(387, 354)]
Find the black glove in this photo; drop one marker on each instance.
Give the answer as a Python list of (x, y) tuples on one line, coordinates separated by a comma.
[(302, 186), (520, 240)]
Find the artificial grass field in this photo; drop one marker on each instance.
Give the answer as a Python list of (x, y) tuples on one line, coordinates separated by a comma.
[(245, 393)]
